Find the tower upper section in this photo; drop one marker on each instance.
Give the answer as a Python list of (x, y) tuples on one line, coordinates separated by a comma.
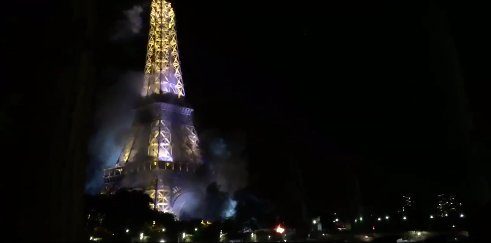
[(162, 68)]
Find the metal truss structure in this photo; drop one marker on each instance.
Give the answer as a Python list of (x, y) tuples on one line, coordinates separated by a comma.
[(162, 69), (162, 151), (160, 145)]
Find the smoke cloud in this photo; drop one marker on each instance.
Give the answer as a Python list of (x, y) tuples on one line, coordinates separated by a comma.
[(131, 25), (228, 164), (224, 172), (113, 123), (226, 167)]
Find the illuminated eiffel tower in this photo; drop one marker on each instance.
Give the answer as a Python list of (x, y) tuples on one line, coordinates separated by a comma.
[(163, 151)]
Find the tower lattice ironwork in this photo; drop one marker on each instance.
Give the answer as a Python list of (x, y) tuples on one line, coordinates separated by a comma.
[(163, 150)]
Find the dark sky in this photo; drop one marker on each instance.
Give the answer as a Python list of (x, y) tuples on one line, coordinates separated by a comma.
[(340, 90), (323, 92)]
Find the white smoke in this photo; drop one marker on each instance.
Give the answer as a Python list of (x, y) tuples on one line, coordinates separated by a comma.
[(113, 123), (230, 209), (131, 25), (228, 166)]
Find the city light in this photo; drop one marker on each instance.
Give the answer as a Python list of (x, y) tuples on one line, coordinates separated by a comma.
[(461, 215), (163, 229), (446, 215), (419, 233), (279, 229), (431, 217), (404, 218), (379, 219), (356, 220), (127, 230), (141, 236), (162, 240), (387, 217), (361, 219), (195, 229), (314, 221)]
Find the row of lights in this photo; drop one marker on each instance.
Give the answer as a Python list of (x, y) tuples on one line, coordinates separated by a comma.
[(446, 215), (403, 218)]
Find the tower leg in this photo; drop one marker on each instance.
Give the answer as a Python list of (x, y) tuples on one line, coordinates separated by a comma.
[(161, 197)]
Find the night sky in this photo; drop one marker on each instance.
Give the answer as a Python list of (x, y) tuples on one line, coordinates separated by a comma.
[(325, 94)]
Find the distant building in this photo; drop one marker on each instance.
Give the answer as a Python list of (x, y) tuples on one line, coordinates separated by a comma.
[(407, 203), (448, 205)]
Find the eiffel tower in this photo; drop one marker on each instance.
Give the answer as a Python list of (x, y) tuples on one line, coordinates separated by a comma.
[(162, 152)]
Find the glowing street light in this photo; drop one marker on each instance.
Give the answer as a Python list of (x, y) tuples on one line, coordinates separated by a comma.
[(387, 217), (431, 217), (461, 215), (195, 229), (404, 218), (361, 219), (163, 229), (419, 233), (356, 220), (162, 240), (141, 236), (314, 221), (127, 230), (379, 219)]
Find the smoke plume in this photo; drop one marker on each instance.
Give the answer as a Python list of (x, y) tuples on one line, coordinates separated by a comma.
[(113, 123), (211, 193), (227, 167), (131, 25)]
